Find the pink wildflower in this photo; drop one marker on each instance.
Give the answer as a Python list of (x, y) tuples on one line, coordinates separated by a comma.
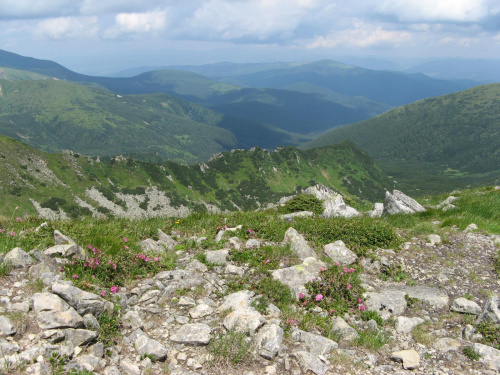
[(157, 259), (319, 297), (18, 219), (362, 307), (126, 247), (349, 286), (75, 276), (89, 246), (2, 230), (338, 263), (332, 311), (114, 289), (344, 269), (114, 266), (360, 300), (249, 231), (267, 261), (350, 270), (61, 269), (125, 239), (13, 234), (103, 293), (291, 321), (73, 263), (301, 296)]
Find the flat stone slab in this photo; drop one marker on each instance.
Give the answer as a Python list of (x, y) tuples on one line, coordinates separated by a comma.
[(463, 305), (192, 334), (84, 302), (145, 345), (409, 358), (406, 325), (310, 362), (237, 300), (296, 276), (339, 252)]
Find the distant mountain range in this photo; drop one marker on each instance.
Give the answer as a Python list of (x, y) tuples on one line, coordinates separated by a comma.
[(299, 98), (434, 144)]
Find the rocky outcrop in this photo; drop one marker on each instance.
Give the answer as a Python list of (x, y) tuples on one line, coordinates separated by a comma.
[(399, 203), (333, 203)]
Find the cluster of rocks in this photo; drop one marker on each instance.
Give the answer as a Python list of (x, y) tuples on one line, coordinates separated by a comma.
[(165, 330), (334, 205)]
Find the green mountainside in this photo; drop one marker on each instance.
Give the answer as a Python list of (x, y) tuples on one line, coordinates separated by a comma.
[(245, 179), (53, 115), (434, 144)]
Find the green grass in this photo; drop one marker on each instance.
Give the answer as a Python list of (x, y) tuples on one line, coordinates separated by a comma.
[(372, 339), (231, 347)]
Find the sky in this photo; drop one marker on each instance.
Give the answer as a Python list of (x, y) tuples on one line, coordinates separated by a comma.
[(105, 36)]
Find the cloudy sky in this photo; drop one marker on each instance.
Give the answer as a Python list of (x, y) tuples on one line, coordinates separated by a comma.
[(99, 36)]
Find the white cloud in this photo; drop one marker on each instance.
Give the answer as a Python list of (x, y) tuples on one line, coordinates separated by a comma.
[(137, 23), (362, 35), (257, 19), (434, 10), (68, 28)]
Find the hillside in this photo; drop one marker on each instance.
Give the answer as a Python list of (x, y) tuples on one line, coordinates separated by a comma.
[(434, 143), (54, 115), (126, 187)]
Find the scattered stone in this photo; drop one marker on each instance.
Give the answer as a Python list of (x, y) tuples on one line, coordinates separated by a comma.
[(84, 302), (133, 320), (391, 301), (165, 240), (446, 344), (237, 300), (67, 251), (399, 203), (463, 305), (310, 362), (296, 276), (490, 313), (252, 244), (52, 312), (317, 344), (200, 311), (470, 228), (296, 214), (339, 252), (145, 345), (447, 202), (6, 326), (151, 246), (346, 331), (17, 258), (434, 239), (489, 355), (192, 334), (244, 320), (409, 358), (377, 210), (298, 244), (129, 368), (268, 341), (217, 256), (79, 337), (406, 325), (234, 270)]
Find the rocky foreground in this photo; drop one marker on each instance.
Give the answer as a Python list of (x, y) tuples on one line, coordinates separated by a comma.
[(49, 325)]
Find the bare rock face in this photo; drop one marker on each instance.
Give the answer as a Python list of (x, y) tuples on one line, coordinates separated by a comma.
[(18, 258), (339, 252), (192, 334), (332, 202), (399, 203)]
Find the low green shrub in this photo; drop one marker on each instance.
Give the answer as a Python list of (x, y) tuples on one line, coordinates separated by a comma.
[(303, 202)]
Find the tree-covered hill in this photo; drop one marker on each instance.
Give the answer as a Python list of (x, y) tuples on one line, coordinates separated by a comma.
[(451, 139)]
